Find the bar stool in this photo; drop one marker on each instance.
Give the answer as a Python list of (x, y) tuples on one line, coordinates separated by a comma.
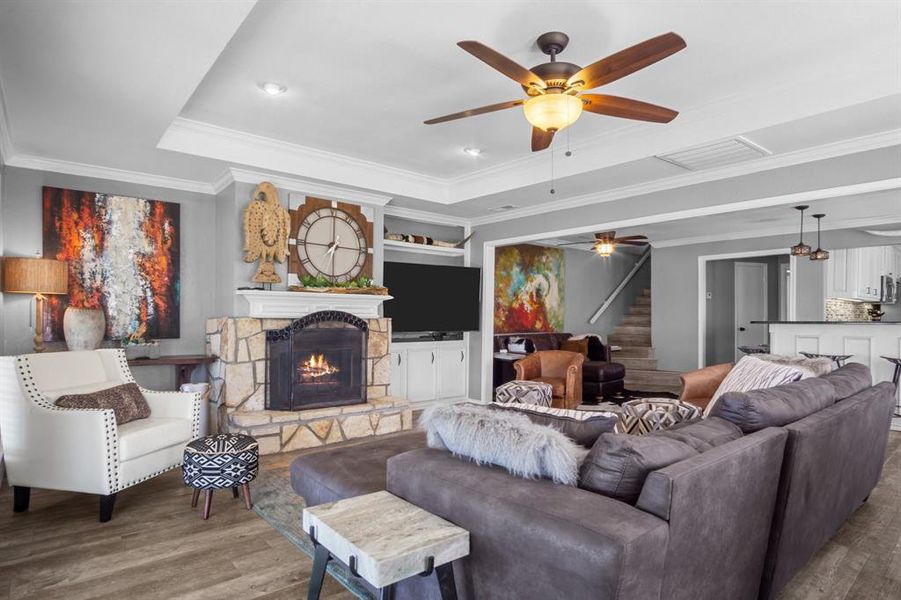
[(838, 359), (895, 378)]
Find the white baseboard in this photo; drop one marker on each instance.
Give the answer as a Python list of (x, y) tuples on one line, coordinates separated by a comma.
[(896, 424)]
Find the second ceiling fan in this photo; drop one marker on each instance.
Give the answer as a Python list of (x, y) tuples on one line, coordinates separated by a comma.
[(554, 89)]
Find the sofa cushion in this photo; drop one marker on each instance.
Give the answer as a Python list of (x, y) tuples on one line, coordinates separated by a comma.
[(581, 426), (520, 345), (126, 401), (144, 436), (776, 406), (849, 380), (618, 464), (558, 385), (595, 370), (702, 434), (503, 438), (351, 469), (578, 346), (751, 373)]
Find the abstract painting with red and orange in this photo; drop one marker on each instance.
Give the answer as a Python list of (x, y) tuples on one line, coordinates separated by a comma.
[(528, 289), (123, 256)]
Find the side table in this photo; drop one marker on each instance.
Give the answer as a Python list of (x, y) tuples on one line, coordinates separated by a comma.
[(384, 539)]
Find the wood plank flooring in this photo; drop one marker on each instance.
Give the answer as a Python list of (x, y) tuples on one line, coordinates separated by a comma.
[(158, 548)]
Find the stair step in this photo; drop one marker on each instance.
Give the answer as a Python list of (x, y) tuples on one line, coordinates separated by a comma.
[(637, 320), (642, 301), (653, 381), (632, 330), (632, 352), (646, 292), (640, 310), (635, 363), (653, 387), (621, 339)]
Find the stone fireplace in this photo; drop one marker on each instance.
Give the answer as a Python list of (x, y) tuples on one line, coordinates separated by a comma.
[(318, 407), (317, 361)]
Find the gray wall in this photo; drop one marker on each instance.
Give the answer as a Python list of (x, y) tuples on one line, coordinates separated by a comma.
[(720, 323), (590, 279), (21, 226)]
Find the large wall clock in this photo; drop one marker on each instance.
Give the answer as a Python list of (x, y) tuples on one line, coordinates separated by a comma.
[(331, 239)]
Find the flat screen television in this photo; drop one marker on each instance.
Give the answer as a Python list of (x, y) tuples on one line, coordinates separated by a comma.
[(432, 298)]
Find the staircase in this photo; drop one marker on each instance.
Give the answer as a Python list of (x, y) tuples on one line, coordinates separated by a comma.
[(637, 354)]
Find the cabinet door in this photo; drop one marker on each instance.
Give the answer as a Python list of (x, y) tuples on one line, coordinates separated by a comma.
[(451, 373), (421, 374), (838, 275), (867, 269), (398, 386)]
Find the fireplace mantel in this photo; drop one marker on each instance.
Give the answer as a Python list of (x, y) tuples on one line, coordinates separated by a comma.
[(264, 304)]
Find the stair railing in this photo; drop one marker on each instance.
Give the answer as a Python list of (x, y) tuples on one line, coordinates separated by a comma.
[(622, 285)]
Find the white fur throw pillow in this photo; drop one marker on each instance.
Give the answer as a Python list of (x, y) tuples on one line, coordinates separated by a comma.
[(506, 439)]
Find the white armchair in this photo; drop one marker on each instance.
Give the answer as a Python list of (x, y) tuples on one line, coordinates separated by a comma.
[(84, 450)]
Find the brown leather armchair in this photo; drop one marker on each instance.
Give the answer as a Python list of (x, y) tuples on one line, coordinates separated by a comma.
[(699, 386), (559, 368)]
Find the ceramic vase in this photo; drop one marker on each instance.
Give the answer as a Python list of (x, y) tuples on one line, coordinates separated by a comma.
[(84, 328)]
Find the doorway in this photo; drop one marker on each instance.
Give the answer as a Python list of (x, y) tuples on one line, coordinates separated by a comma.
[(751, 300)]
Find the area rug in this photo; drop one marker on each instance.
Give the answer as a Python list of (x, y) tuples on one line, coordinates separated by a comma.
[(275, 501)]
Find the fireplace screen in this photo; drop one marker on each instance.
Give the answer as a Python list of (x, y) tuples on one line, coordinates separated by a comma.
[(317, 361)]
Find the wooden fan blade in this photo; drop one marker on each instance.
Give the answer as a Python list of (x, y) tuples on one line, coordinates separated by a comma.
[(499, 62), (627, 238), (630, 243), (627, 61), (541, 139), (626, 108), (605, 235), (475, 111)]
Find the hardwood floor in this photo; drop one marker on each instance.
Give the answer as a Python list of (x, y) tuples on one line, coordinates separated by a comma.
[(158, 548)]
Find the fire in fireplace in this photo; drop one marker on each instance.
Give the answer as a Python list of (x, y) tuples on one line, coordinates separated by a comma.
[(317, 361)]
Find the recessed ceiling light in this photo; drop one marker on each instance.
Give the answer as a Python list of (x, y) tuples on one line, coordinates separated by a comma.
[(272, 88), (472, 151)]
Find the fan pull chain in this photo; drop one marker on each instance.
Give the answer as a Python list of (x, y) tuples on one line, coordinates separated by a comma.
[(553, 191)]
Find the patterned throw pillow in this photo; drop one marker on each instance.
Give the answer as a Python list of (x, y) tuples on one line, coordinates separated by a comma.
[(751, 373), (655, 414), (126, 400)]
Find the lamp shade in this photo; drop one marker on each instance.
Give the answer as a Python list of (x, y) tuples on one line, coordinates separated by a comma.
[(552, 112), (35, 276)]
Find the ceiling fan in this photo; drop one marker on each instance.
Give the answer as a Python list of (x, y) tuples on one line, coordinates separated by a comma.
[(554, 99), (606, 242)]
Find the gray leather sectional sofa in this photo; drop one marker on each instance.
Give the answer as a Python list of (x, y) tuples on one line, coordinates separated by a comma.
[(736, 521)]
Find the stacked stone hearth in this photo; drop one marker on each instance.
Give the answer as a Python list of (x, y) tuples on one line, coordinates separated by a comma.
[(238, 379)]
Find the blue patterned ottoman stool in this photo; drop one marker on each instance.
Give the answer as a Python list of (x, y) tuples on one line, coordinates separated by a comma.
[(524, 392), (218, 462)]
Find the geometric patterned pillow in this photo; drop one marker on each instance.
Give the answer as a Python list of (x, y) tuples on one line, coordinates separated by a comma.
[(751, 373), (524, 392), (655, 414)]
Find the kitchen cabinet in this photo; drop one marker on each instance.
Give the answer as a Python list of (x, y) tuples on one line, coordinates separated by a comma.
[(856, 273), (427, 371), (870, 262)]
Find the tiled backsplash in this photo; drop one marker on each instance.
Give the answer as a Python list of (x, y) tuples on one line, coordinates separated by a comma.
[(845, 310)]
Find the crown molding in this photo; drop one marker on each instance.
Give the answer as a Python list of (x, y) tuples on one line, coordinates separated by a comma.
[(224, 180), (884, 232), (6, 143), (775, 161), (27, 161), (238, 147), (315, 188), (424, 216)]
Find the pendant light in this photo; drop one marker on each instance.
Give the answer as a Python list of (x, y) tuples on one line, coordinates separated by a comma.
[(819, 253), (801, 249)]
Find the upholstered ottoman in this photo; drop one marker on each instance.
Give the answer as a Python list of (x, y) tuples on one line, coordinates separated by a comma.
[(524, 392), (655, 414), (218, 462)]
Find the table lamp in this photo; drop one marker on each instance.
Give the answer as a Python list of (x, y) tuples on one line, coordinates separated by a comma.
[(39, 277)]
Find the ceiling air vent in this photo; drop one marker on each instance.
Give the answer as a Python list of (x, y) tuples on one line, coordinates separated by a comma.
[(505, 207), (719, 154)]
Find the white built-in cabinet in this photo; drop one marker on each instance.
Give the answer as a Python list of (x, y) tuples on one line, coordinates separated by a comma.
[(856, 273), (429, 371)]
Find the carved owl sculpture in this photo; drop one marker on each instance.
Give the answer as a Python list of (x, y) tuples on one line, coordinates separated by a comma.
[(266, 225)]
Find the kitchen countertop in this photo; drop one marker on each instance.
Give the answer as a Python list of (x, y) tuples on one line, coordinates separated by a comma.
[(828, 322)]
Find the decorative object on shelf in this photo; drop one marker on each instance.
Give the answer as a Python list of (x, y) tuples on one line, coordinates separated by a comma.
[(83, 328), (320, 283), (329, 239), (605, 243), (801, 249), (528, 289), (266, 224), (819, 253), (875, 312), (137, 347), (123, 255), (554, 89), (39, 277), (425, 240)]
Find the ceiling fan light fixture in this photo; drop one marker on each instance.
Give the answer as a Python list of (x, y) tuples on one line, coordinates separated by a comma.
[(604, 249), (552, 112)]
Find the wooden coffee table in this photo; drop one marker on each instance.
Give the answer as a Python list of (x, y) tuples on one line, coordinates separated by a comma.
[(384, 539)]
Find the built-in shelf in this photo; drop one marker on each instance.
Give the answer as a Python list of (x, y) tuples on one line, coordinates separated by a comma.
[(422, 248)]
